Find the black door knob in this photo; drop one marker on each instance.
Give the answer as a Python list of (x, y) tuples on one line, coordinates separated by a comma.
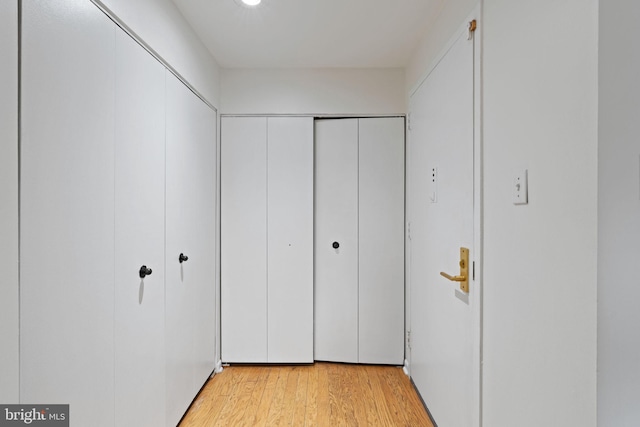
[(145, 271), (335, 245), (182, 258)]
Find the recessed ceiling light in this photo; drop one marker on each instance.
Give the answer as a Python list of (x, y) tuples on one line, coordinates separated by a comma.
[(251, 2)]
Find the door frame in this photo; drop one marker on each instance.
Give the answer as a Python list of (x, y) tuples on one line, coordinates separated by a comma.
[(476, 296)]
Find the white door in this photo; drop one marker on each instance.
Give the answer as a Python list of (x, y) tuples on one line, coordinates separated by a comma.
[(139, 235), (201, 262), (190, 231), (442, 174), (244, 239), (336, 240), (290, 240), (381, 241), (67, 209)]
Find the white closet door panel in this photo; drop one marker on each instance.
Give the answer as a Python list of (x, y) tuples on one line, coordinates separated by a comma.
[(244, 239), (381, 233), (9, 301), (139, 236), (336, 220), (290, 240), (190, 230), (179, 295), (67, 208), (202, 234)]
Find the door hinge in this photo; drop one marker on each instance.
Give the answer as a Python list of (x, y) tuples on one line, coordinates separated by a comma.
[(409, 122), (409, 339), (409, 230)]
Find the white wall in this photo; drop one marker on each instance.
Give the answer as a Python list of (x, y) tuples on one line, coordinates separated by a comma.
[(540, 113), (451, 17), (313, 91), (161, 25), (9, 362), (618, 215)]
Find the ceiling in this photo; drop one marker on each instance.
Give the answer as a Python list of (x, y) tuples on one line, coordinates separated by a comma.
[(311, 33)]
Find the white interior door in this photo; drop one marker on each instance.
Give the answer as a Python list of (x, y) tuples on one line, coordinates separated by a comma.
[(336, 224), (139, 235), (201, 249), (290, 239), (381, 241), (67, 209), (9, 270), (442, 174), (244, 239)]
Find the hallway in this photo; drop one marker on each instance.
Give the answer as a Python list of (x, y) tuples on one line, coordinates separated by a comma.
[(323, 394)]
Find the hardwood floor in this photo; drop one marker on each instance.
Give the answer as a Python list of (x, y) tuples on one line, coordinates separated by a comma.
[(323, 394)]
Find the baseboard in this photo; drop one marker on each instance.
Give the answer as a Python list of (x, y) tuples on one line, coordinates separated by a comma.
[(218, 368)]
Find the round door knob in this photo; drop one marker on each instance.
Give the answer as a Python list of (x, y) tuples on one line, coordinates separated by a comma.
[(145, 271), (335, 245), (182, 258)]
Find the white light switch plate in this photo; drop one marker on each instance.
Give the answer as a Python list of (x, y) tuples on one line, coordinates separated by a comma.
[(520, 188)]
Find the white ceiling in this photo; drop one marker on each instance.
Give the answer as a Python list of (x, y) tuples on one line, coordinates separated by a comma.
[(311, 33)]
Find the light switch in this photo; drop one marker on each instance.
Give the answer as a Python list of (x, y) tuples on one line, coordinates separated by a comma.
[(520, 190), (433, 185)]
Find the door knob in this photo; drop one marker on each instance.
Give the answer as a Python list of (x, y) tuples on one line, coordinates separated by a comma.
[(182, 258), (463, 277), (335, 245), (145, 271)]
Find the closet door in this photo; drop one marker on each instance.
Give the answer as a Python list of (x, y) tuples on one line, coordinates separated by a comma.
[(336, 224), (67, 209), (202, 238), (290, 240), (381, 241), (190, 231), (9, 271), (244, 239), (139, 236)]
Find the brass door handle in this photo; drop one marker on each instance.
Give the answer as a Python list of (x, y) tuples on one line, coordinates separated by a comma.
[(453, 278), (463, 278)]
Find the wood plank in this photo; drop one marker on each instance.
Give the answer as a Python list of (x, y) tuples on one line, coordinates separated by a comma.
[(311, 414), (302, 394)]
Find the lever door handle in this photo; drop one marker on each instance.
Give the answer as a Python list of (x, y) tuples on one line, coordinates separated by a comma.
[(453, 278), (463, 277), (182, 258)]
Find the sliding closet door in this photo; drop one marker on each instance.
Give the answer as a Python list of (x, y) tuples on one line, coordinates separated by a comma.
[(67, 209), (244, 239), (139, 236), (290, 239), (336, 240), (381, 237)]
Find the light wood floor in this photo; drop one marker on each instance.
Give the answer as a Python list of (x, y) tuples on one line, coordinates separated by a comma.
[(323, 394)]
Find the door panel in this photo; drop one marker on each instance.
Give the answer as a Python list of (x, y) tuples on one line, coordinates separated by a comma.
[(244, 239), (336, 220), (9, 270), (139, 235), (381, 240), (201, 263), (442, 322), (290, 240), (67, 209)]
